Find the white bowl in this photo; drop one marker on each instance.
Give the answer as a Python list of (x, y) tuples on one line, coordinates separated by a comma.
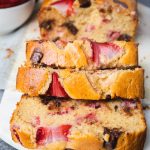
[(13, 17)]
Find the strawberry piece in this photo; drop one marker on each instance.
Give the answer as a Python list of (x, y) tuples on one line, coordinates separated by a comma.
[(43, 136), (46, 135), (60, 133), (91, 118), (16, 135), (64, 6), (107, 50), (113, 35), (55, 88), (96, 52)]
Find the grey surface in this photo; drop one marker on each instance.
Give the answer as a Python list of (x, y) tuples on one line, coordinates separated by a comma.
[(3, 145)]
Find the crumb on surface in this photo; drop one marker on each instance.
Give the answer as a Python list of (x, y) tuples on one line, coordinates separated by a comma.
[(10, 52), (146, 107), (146, 76)]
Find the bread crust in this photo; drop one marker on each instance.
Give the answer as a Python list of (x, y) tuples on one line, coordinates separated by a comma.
[(94, 85)]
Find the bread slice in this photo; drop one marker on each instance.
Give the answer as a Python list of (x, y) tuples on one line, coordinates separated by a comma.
[(82, 54), (100, 20), (94, 85), (40, 123)]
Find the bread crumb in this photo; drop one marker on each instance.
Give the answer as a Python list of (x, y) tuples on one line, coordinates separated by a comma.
[(10, 52), (146, 107), (147, 77)]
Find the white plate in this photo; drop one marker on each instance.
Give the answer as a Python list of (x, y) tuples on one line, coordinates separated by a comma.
[(11, 97)]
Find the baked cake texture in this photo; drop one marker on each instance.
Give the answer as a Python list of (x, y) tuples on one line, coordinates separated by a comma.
[(94, 85), (100, 20), (82, 54), (39, 123)]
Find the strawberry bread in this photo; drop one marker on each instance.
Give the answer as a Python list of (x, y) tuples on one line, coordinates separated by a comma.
[(70, 83), (82, 54), (100, 20), (42, 123)]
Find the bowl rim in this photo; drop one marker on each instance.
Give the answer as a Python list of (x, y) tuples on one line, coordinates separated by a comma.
[(16, 5)]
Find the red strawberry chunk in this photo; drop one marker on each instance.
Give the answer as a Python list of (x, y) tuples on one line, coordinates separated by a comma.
[(43, 136), (16, 135), (96, 52), (60, 133), (107, 50), (64, 6), (113, 35), (55, 88), (46, 135)]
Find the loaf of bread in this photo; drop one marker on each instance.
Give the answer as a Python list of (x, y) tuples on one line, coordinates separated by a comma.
[(100, 20), (52, 124), (94, 85), (82, 54)]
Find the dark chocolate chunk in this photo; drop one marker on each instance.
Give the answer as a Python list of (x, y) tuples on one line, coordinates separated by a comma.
[(36, 56), (45, 99), (121, 3), (71, 27), (124, 37), (108, 97), (57, 103), (47, 25), (85, 3), (113, 137), (116, 108), (97, 105), (56, 39)]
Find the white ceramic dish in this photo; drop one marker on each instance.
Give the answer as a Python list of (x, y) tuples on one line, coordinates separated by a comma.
[(11, 97), (13, 17)]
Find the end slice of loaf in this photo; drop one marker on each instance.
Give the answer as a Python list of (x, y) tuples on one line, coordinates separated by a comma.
[(94, 85), (82, 54), (100, 20), (40, 123)]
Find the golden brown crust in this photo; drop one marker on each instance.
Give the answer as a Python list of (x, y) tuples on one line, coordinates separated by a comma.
[(84, 84), (36, 81), (129, 84)]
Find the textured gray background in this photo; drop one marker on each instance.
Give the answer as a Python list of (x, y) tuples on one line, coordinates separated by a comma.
[(3, 145)]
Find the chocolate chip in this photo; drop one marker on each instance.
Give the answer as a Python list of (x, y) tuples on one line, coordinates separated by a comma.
[(124, 37), (47, 25), (57, 103), (116, 107), (121, 3), (43, 65), (113, 137), (108, 97), (71, 27), (56, 39), (36, 56), (45, 99), (85, 3), (97, 105), (68, 149)]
